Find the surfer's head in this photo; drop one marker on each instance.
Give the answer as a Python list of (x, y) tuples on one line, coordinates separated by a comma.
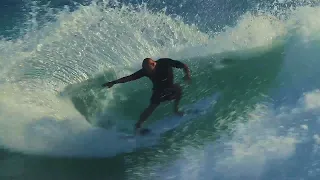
[(149, 64)]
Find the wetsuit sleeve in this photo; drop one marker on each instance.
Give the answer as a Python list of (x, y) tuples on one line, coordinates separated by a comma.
[(137, 75), (134, 76), (174, 63), (178, 64)]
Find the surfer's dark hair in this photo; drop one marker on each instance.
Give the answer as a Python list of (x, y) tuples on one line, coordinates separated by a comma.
[(145, 61)]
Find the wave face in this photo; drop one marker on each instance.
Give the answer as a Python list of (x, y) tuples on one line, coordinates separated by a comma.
[(262, 59)]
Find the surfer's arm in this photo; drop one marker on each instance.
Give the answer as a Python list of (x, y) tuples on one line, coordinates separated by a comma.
[(186, 71), (132, 77), (180, 65)]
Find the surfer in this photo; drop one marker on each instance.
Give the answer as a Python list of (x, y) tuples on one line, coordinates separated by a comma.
[(160, 72)]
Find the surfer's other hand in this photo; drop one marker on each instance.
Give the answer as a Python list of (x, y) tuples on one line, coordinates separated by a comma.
[(187, 78), (108, 84)]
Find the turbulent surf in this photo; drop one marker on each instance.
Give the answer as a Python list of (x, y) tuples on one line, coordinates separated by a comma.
[(260, 57)]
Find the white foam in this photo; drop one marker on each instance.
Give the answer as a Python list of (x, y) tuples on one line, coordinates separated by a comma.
[(316, 138), (311, 100), (305, 127), (253, 33)]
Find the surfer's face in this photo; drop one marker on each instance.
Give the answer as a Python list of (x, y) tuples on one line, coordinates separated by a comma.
[(149, 65)]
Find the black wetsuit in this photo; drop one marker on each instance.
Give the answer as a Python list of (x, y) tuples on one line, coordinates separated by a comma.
[(162, 79)]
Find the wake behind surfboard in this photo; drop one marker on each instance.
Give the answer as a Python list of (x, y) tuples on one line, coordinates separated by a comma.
[(191, 112)]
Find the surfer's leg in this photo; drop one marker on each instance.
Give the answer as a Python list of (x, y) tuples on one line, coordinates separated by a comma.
[(145, 114), (177, 98), (154, 103)]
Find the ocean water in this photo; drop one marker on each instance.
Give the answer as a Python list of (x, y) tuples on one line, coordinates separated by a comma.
[(261, 57)]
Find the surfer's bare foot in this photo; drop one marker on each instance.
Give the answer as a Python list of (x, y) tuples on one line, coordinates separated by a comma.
[(179, 113), (137, 127)]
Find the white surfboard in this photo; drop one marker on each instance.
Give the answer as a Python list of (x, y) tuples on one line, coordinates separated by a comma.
[(191, 112)]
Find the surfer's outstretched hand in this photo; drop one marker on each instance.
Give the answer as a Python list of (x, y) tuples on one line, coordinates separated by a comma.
[(108, 84)]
